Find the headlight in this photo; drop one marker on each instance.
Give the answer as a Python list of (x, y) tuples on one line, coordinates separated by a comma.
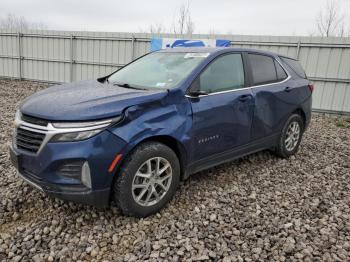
[(85, 124), (75, 136), (18, 114), (76, 131)]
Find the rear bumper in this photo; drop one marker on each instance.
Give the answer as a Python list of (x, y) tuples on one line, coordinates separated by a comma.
[(97, 198), (308, 111)]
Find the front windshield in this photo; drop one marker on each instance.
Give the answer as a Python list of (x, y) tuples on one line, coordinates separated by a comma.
[(158, 70)]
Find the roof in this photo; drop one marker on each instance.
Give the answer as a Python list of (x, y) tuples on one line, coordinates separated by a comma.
[(213, 50)]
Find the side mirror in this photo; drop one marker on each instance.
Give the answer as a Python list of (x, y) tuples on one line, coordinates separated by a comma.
[(195, 91)]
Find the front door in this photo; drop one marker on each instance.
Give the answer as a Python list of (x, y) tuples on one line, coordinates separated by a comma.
[(222, 116)]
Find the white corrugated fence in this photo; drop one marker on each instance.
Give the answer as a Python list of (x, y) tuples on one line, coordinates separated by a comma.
[(64, 56)]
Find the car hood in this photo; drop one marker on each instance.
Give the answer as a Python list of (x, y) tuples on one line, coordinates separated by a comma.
[(85, 100)]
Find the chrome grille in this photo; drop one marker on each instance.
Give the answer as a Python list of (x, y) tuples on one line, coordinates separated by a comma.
[(28, 140), (34, 120)]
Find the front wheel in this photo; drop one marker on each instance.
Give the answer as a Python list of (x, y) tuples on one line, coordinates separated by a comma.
[(147, 180), (291, 135)]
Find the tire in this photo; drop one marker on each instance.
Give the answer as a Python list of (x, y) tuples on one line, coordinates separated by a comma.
[(283, 148), (125, 187)]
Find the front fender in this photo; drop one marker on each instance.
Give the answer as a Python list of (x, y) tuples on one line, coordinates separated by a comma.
[(155, 119)]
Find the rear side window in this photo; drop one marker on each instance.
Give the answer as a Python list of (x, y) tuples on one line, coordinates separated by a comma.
[(263, 69), (294, 65), (224, 73), (281, 74)]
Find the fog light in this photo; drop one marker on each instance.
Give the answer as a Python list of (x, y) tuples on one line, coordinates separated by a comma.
[(85, 175), (71, 169)]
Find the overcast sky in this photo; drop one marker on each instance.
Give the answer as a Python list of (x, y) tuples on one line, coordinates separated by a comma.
[(268, 17)]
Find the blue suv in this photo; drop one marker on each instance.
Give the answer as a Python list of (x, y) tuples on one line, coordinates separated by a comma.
[(133, 135)]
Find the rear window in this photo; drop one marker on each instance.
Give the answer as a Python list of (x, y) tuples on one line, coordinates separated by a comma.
[(294, 65)]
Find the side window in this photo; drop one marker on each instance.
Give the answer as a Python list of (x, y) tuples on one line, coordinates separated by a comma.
[(294, 65), (281, 74), (263, 69), (224, 73)]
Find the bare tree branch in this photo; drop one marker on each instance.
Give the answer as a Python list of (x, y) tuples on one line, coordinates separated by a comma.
[(154, 29), (212, 32), (19, 23), (330, 21), (189, 25), (181, 21), (184, 24)]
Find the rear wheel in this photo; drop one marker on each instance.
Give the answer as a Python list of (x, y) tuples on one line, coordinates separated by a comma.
[(147, 180), (291, 135)]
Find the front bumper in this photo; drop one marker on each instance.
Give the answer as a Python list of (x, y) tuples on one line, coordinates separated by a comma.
[(97, 198), (44, 169)]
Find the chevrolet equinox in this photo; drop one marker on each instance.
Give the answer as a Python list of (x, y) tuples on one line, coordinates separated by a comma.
[(133, 135)]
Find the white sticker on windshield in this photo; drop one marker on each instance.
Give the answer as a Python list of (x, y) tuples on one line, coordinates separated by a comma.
[(160, 84), (196, 55)]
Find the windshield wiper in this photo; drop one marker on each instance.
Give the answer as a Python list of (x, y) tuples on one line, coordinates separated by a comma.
[(126, 85)]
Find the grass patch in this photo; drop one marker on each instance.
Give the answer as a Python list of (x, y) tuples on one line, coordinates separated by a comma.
[(343, 122)]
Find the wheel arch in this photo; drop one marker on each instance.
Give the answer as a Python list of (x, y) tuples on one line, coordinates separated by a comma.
[(301, 112), (167, 140)]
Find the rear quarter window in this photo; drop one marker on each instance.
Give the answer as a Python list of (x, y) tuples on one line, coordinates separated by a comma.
[(281, 74), (294, 65)]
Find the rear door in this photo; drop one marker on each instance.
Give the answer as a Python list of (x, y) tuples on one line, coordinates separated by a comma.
[(275, 94), (222, 118)]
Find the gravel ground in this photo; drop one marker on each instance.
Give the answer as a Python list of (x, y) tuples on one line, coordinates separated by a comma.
[(257, 208)]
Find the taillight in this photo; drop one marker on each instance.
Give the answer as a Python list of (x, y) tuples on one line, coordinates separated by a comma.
[(311, 87)]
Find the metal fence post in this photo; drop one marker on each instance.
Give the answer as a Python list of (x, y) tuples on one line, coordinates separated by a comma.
[(19, 51), (132, 46), (71, 59), (298, 50)]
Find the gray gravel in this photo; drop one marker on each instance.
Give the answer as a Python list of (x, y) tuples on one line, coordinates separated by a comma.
[(257, 208)]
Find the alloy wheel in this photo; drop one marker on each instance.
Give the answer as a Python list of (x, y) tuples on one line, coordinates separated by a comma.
[(152, 181), (292, 136)]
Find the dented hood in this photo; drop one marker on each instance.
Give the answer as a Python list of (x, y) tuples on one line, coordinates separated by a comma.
[(85, 100)]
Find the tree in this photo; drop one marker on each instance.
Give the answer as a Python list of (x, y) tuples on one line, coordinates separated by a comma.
[(183, 24), (330, 20), (213, 32), (19, 23), (156, 29)]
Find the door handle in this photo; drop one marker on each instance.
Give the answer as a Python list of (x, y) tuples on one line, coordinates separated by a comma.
[(288, 89), (244, 98)]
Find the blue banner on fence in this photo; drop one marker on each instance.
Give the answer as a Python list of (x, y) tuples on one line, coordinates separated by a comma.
[(162, 43)]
